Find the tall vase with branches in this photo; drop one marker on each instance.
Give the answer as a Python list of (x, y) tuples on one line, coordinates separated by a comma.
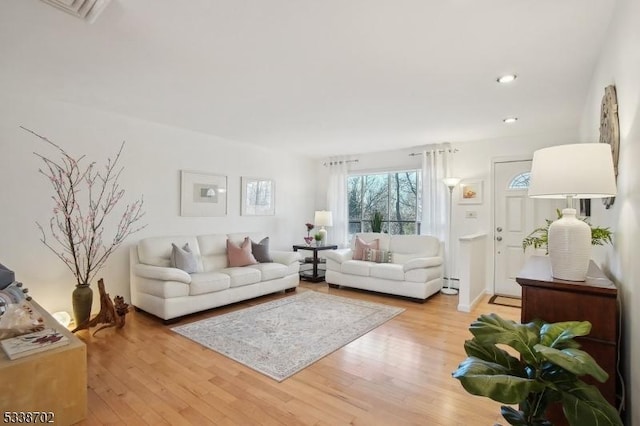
[(85, 196)]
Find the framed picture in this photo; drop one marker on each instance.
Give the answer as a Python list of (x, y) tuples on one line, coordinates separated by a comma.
[(471, 192), (258, 197), (202, 194)]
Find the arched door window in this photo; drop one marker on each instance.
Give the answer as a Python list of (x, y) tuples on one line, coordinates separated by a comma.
[(520, 181)]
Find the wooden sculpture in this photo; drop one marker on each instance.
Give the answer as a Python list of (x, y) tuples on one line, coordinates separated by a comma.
[(110, 315)]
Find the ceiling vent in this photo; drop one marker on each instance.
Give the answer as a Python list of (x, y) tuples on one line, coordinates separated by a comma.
[(87, 10)]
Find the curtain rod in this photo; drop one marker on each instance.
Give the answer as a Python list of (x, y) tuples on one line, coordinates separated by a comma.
[(440, 151), (335, 163)]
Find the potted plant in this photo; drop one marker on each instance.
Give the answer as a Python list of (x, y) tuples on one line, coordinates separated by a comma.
[(547, 371), (318, 237), (376, 221), (85, 198), (539, 237)]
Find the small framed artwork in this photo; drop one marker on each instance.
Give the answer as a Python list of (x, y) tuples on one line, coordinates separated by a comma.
[(202, 194), (258, 196), (471, 192)]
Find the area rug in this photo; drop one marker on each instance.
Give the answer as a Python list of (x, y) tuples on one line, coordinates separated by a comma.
[(506, 301), (282, 337)]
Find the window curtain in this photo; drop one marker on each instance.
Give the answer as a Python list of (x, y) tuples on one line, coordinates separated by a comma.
[(337, 201), (436, 165)]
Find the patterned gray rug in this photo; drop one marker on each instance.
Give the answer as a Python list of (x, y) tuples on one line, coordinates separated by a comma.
[(282, 337)]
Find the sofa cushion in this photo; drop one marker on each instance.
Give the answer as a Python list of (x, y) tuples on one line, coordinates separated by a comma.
[(370, 236), (270, 271), (208, 282), (242, 275), (183, 258), (156, 251), (378, 256), (261, 250), (164, 289), (422, 262), (356, 267), (387, 271), (213, 249), (361, 246), (240, 256)]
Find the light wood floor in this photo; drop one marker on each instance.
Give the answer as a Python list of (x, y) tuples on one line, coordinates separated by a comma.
[(397, 374)]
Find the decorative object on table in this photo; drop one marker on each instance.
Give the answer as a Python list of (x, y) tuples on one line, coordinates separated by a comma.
[(471, 192), (258, 197), (318, 236), (376, 221), (547, 371), (85, 197), (202, 194), (111, 314), (539, 237), (323, 218), (610, 131), (19, 318), (573, 171), (308, 239), (450, 182), (33, 343), (249, 337), (13, 293), (7, 276)]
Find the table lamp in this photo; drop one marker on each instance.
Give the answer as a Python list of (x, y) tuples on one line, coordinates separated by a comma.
[(323, 218), (571, 171)]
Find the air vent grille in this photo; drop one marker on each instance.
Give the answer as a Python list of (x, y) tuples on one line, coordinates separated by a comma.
[(83, 9)]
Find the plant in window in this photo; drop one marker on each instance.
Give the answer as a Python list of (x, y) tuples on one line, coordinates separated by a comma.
[(376, 221), (539, 237)]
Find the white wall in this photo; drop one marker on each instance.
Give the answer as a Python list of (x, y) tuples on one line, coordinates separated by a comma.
[(619, 64), (153, 157)]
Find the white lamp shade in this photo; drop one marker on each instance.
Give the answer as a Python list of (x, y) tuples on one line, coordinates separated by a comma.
[(451, 181), (583, 170), (323, 218)]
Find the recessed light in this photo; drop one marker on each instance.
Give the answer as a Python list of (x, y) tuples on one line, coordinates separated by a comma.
[(510, 120), (506, 78)]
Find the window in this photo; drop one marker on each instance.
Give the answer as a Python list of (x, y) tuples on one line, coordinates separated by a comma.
[(394, 194), (520, 181)]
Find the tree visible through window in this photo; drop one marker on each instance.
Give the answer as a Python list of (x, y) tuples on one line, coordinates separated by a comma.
[(395, 195)]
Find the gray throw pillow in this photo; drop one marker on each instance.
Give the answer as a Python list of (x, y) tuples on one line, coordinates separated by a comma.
[(183, 258), (261, 250)]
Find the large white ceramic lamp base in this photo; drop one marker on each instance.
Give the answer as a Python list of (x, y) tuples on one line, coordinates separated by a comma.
[(323, 232), (569, 247)]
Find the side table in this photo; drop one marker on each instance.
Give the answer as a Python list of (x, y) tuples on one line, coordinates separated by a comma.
[(315, 275)]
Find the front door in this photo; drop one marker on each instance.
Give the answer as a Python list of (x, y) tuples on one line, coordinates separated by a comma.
[(515, 216)]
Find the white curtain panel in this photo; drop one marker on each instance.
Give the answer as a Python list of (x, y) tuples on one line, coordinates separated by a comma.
[(337, 201), (436, 165)]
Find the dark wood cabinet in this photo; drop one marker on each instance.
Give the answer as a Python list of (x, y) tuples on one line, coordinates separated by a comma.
[(593, 300)]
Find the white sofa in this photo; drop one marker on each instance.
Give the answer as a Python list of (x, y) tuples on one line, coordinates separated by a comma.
[(415, 272), (169, 293)]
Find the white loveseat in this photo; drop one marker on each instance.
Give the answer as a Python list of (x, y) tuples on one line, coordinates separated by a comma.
[(168, 292), (415, 270)]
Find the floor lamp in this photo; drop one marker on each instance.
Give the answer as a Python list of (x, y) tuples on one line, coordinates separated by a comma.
[(451, 183)]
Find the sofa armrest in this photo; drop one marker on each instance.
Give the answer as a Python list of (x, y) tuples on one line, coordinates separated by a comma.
[(339, 256), (161, 273), (284, 257), (422, 262)]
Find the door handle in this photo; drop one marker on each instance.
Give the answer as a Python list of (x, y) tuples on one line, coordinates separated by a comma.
[(499, 229), (499, 238)]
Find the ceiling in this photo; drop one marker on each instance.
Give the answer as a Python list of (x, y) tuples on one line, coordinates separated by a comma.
[(316, 77)]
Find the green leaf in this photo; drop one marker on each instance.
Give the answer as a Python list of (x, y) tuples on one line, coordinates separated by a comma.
[(514, 417), (557, 334), (584, 405), (575, 361), (491, 329), (492, 353), (494, 381)]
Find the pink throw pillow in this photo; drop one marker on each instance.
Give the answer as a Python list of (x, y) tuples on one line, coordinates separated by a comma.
[(362, 245), (240, 256)]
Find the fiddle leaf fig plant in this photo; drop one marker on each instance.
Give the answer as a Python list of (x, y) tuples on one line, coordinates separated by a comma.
[(539, 237), (548, 370)]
